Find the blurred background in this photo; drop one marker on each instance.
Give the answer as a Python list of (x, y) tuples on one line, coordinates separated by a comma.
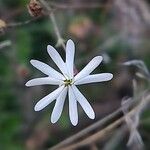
[(119, 30)]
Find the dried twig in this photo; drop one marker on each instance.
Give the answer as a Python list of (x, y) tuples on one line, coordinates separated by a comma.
[(17, 24), (132, 122), (144, 72), (87, 130), (96, 125), (95, 137)]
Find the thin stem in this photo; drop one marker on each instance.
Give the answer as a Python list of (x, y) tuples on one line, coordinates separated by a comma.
[(17, 24), (53, 20)]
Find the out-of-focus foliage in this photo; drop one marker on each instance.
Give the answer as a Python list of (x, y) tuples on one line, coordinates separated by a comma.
[(118, 30)]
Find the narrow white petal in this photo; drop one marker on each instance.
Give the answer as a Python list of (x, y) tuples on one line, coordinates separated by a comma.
[(48, 99), (57, 59), (94, 78), (59, 106), (73, 110), (44, 81), (70, 51), (83, 102), (46, 69), (89, 67)]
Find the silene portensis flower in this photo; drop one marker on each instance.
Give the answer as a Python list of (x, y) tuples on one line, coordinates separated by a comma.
[(67, 83)]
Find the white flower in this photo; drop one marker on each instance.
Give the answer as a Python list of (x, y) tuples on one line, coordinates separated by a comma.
[(67, 83)]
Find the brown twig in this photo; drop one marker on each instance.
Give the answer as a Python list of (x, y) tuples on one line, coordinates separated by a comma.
[(94, 138), (86, 130), (96, 125)]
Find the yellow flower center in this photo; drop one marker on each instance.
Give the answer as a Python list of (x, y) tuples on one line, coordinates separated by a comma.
[(68, 82)]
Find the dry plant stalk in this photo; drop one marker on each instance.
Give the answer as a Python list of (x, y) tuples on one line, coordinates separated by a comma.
[(103, 132), (132, 122)]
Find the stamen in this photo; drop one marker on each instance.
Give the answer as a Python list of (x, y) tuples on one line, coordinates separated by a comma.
[(68, 82)]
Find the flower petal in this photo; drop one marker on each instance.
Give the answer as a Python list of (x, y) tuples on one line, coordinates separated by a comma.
[(83, 102), (94, 78), (57, 59), (70, 51), (48, 99), (89, 68), (56, 113), (73, 111), (46, 69), (43, 81)]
